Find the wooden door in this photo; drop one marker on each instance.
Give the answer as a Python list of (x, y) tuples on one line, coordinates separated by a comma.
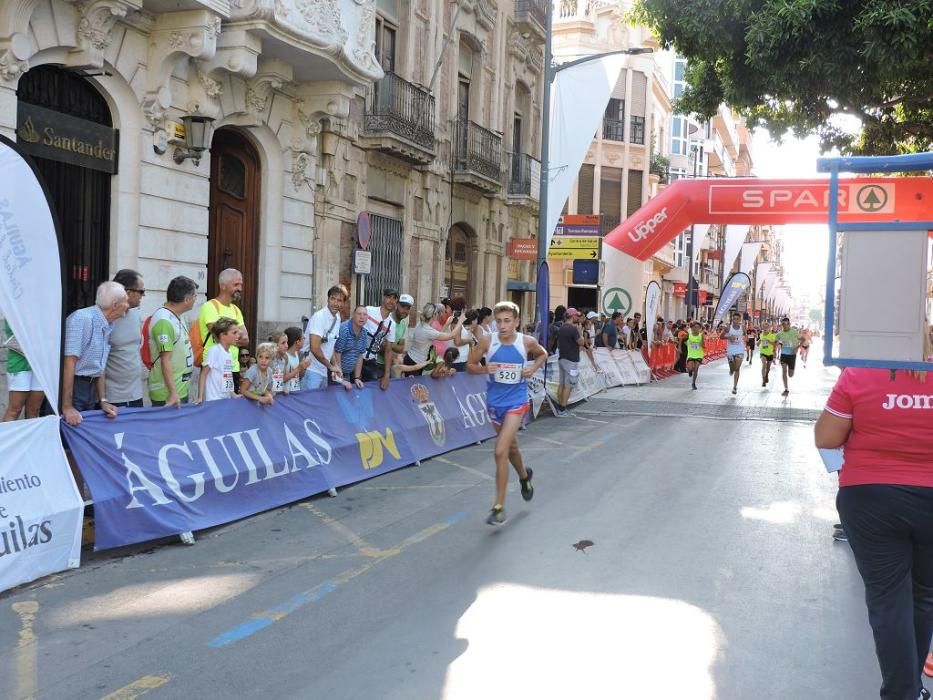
[(233, 229)]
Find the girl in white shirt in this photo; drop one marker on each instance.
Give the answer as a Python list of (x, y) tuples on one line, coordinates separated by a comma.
[(216, 380)]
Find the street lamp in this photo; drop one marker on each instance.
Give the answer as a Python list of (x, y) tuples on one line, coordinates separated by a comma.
[(197, 137), (550, 73)]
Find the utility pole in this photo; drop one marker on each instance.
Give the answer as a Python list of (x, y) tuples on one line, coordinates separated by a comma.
[(691, 282)]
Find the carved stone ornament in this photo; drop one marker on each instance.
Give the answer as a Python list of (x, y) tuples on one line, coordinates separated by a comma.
[(10, 67), (299, 169), (211, 87), (320, 18), (259, 90), (97, 19), (365, 50), (190, 33)]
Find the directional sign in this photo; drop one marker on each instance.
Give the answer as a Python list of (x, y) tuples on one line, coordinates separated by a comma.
[(574, 248), (589, 242), (572, 254)]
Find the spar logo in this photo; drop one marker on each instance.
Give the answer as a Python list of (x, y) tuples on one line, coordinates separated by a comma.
[(646, 228)]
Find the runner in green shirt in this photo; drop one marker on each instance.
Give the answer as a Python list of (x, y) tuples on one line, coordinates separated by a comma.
[(766, 342), (169, 344), (788, 339)]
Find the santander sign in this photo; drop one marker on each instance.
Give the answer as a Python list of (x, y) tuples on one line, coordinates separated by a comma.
[(753, 201)]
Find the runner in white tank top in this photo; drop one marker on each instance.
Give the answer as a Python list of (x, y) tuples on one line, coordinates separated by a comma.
[(734, 334), (506, 353)]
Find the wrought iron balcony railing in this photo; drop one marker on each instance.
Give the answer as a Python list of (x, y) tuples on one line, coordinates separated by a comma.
[(401, 108), (522, 177), (613, 129), (477, 150), (637, 132)]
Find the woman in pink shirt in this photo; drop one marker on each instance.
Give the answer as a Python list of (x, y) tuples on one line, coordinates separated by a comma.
[(884, 420)]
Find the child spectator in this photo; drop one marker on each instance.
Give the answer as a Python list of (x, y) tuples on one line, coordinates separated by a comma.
[(216, 380), (256, 384), (295, 368), (279, 362)]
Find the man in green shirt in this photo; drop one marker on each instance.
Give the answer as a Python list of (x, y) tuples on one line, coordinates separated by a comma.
[(788, 339), (229, 292), (169, 345)]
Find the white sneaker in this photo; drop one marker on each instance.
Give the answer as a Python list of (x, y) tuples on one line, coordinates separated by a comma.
[(186, 537), (332, 493)]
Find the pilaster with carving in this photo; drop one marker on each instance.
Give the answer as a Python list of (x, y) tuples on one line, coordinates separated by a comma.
[(193, 34), (95, 28)]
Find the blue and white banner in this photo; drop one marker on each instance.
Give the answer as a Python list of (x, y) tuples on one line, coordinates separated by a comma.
[(40, 507), (30, 268), (735, 287), (155, 472)]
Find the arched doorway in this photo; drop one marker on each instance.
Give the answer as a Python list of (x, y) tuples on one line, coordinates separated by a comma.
[(233, 228), (60, 114), (457, 268)]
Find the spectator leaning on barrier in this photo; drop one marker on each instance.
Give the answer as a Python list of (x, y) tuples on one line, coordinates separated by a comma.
[(229, 291), (351, 348), (377, 362), (422, 337), (321, 337), (610, 331), (87, 345), (24, 391), (170, 348), (124, 375), (569, 342), (401, 317)]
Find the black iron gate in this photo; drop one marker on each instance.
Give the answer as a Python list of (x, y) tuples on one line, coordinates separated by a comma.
[(386, 247)]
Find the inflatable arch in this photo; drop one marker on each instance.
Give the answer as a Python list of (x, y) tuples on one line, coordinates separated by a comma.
[(754, 201)]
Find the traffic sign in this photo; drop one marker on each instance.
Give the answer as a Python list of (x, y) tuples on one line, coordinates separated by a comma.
[(574, 248)]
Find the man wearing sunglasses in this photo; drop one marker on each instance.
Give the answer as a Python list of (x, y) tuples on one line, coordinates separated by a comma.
[(320, 338), (124, 375)]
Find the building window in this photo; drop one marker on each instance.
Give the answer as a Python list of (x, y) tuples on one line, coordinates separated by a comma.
[(386, 35)]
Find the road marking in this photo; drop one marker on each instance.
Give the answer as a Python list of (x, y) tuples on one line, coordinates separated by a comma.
[(266, 618), (362, 546), (542, 438), (413, 487), (465, 468), (26, 673), (139, 687)]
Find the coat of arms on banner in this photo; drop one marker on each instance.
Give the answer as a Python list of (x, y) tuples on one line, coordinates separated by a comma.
[(432, 416)]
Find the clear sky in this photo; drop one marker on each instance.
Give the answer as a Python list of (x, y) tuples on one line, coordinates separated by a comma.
[(805, 246)]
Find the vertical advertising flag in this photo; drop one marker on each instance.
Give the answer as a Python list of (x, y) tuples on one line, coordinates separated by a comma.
[(30, 269), (735, 287), (652, 301)]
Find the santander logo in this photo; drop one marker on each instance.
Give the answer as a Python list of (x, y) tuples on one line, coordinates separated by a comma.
[(920, 401), (641, 231)]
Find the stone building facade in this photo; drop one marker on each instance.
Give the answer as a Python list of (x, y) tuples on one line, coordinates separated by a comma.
[(322, 110)]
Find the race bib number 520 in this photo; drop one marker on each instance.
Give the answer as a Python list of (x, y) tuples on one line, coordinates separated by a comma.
[(507, 373)]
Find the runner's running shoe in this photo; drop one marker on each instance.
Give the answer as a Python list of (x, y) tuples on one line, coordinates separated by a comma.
[(924, 694), (839, 535), (496, 516), (528, 491)]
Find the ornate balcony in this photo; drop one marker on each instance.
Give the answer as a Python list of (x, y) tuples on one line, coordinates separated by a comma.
[(530, 18), (524, 180), (477, 157), (399, 120)]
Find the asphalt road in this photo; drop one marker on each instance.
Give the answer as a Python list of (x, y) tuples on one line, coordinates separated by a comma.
[(712, 574)]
